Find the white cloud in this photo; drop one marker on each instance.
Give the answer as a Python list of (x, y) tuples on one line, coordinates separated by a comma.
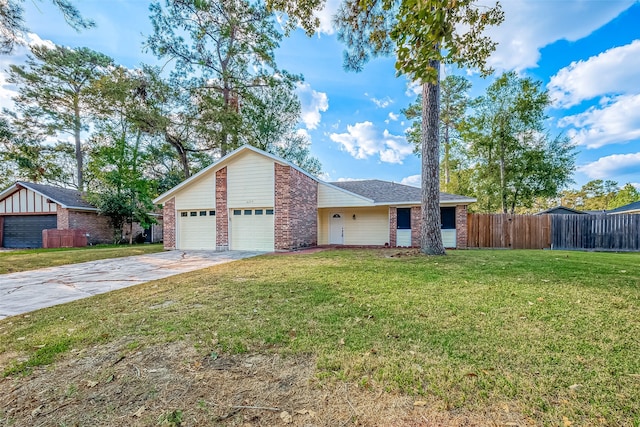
[(363, 140), (394, 117), (35, 40), (313, 103), (615, 164), (635, 184), (346, 179), (326, 16), (530, 25), (413, 180), (615, 120), (614, 71), (413, 89), (380, 103)]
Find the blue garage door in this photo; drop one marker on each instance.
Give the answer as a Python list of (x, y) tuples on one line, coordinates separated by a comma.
[(25, 231)]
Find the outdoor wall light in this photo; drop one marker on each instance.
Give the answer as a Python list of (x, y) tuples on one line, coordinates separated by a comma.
[(354, 217)]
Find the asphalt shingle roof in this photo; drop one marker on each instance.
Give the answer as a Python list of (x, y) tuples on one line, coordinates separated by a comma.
[(390, 192), (630, 207), (63, 196)]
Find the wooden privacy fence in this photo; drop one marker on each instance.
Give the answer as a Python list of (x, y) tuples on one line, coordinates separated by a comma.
[(597, 232), (508, 231), (53, 238), (587, 232)]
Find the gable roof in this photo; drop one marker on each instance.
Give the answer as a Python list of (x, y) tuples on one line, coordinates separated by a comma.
[(217, 164), (562, 210), (380, 192), (385, 192), (65, 197), (631, 207)]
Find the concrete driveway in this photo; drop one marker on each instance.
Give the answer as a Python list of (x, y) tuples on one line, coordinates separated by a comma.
[(31, 290)]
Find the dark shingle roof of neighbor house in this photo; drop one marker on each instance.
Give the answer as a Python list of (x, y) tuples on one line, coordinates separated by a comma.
[(630, 207), (562, 210), (392, 192), (65, 197)]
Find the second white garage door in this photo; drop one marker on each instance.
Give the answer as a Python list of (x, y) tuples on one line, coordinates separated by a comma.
[(197, 229), (252, 229)]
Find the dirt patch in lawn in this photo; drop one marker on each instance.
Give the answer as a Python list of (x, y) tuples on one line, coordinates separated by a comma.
[(173, 384)]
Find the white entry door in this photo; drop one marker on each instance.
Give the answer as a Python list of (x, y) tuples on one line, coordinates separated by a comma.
[(336, 229)]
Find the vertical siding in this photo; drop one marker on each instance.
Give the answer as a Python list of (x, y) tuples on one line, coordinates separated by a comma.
[(333, 197), (200, 194), (26, 201), (371, 226), (250, 181)]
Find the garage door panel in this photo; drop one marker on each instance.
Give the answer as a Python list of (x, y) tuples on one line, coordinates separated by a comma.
[(197, 231), (25, 231), (252, 229)]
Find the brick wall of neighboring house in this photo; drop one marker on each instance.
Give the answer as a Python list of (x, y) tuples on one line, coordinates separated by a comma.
[(416, 220), (393, 226), (222, 212), (296, 209), (169, 224), (461, 227), (97, 227)]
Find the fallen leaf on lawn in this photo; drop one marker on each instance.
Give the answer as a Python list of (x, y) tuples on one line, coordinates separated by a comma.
[(575, 387), (286, 417), (341, 341), (471, 374), (139, 412), (540, 299), (306, 412), (420, 403), (566, 422), (21, 338), (91, 384)]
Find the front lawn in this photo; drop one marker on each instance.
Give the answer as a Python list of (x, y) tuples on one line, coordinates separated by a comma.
[(551, 336), (31, 259)]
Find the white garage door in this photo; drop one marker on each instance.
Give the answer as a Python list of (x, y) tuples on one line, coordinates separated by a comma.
[(252, 229), (197, 229)]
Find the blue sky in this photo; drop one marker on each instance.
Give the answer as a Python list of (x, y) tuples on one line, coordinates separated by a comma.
[(586, 52)]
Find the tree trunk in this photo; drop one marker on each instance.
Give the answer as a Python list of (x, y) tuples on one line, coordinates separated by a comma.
[(431, 236), (446, 160), (182, 153), (77, 126)]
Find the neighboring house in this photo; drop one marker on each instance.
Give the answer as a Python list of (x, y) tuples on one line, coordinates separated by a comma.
[(562, 210), (631, 208), (27, 208), (253, 200)]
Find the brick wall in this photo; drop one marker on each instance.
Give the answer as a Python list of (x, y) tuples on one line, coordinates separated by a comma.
[(416, 229), (222, 211), (461, 226), (393, 226), (97, 227), (169, 223), (296, 209)]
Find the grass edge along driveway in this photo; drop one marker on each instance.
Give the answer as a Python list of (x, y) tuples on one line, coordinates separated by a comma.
[(32, 259), (554, 333)]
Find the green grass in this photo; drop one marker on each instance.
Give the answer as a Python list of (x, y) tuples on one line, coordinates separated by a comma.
[(469, 330), (31, 259)]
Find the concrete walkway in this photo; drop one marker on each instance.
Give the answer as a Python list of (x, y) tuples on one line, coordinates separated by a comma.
[(31, 290)]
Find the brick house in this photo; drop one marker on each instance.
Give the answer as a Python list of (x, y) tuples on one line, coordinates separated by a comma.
[(26, 209), (253, 200)]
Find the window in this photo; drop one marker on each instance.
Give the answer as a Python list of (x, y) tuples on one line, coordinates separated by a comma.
[(203, 213), (183, 214), (448, 217), (248, 211), (258, 211), (269, 211), (193, 213), (212, 213), (237, 212), (404, 218)]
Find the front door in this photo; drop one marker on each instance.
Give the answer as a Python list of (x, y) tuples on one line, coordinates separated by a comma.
[(336, 229)]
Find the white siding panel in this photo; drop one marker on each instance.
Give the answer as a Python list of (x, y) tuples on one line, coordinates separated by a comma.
[(403, 237), (200, 194), (332, 197), (250, 181), (196, 232), (449, 238), (26, 201)]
